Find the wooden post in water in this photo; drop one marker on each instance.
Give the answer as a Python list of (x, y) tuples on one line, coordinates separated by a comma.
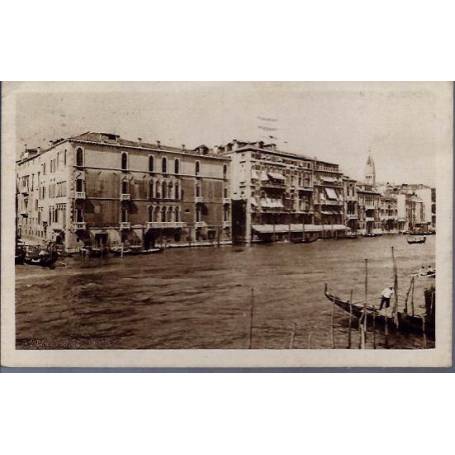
[(395, 289), (332, 324), (350, 321), (412, 297), (374, 327), (251, 319), (363, 330), (309, 340), (293, 330)]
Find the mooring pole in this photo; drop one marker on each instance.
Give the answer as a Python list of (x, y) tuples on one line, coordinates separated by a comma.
[(251, 318), (364, 328), (350, 321)]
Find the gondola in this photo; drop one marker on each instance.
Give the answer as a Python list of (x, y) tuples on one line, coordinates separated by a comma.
[(44, 257), (305, 240), (416, 240), (406, 322), (20, 253), (133, 251)]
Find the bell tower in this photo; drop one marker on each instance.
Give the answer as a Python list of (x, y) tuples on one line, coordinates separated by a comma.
[(370, 172)]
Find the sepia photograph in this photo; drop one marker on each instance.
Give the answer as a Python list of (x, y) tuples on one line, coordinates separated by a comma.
[(283, 217)]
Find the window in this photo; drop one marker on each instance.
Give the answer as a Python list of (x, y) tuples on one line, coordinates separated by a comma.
[(64, 157), (79, 185), (163, 215), (124, 161), (79, 216), (124, 187), (177, 214), (226, 213), (151, 213), (197, 168), (198, 213), (198, 190), (224, 171), (169, 190), (151, 188), (124, 215), (151, 163), (163, 190), (177, 189), (169, 214), (225, 193), (156, 214), (157, 190), (176, 166), (79, 159), (164, 165)]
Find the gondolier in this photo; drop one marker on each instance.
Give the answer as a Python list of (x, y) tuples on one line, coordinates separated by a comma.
[(386, 295)]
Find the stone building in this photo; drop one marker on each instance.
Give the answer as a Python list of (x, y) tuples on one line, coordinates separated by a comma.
[(369, 201), (351, 203), (100, 189)]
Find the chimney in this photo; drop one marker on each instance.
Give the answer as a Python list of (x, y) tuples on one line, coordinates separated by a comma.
[(139, 139), (236, 144), (183, 147), (158, 144)]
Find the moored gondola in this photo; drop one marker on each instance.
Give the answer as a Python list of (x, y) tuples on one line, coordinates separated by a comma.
[(416, 240), (403, 322)]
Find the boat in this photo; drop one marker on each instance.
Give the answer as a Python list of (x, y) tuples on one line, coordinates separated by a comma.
[(93, 252), (351, 235), (403, 322), (44, 256), (20, 253), (415, 240), (133, 250), (304, 240)]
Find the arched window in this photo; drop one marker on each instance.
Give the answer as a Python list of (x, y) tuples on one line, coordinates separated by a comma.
[(124, 161), (157, 190), (163, 215), (124, 215), (151, 163), (176, 166), (177, 214), (163, 190), (197, 168), (224, 171), (156, 214), (169, 190), (151, 189), (79, 158), (164, 165), (169, 214), (177, 189), (124, 187), (151, 213)]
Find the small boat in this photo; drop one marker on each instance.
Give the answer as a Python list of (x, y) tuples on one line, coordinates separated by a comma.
[(93, 252), (20, 253), (351, 235), (133, 250), (405, 322), (42, 256), (305, 239), (412, 240)]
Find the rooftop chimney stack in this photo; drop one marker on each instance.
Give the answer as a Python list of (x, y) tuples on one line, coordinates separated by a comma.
[(158, 144), (183, 147)]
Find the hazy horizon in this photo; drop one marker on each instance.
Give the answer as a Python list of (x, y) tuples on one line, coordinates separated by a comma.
[(402, 125)]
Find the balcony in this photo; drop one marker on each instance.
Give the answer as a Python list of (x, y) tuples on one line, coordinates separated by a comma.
[(79, 225), (275, 185), (80, 195), (369, 218), (226, 224), (199, 199), (226, 200), (125, 225), (125, 197), (304, 188), (351, 216), (331, 202), (165, 224), (370, 207), (200, 224)]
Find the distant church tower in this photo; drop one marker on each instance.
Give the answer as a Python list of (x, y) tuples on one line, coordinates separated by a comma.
[(370, 172)]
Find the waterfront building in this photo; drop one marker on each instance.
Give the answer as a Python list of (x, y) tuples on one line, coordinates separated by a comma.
[(100, 189), (433, 208), (351, 203), (389, 213), (369, 200), (328, 198), (271, 192)]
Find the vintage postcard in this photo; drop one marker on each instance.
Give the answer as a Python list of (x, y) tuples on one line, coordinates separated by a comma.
[(227, 224)]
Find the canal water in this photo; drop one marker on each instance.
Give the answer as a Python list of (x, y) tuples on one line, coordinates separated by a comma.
[(201, 298)]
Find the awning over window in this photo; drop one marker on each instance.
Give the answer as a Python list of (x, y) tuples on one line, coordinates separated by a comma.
[(276, 176), (281, 228), (329, 179), (264, 177), (331, 193), (271, 203)]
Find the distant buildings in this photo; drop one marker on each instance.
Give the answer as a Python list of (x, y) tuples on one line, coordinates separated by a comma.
[(99, 189)]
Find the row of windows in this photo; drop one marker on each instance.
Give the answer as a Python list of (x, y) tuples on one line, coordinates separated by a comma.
[(152, 165)]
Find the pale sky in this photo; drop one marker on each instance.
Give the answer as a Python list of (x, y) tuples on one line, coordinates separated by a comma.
[(404, 125)]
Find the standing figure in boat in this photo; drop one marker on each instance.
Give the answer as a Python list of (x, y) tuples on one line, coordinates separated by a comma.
[(386, 295)]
